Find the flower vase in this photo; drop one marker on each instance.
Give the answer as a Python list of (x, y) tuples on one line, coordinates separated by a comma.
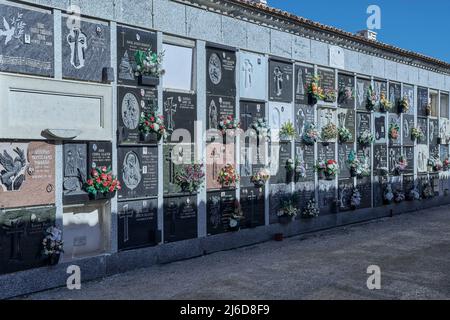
[(320, 175), (53, 259), (148, 81), (330, 177), (150, 137), (353, 173), (285, 219), (312, 100), (102, 196)]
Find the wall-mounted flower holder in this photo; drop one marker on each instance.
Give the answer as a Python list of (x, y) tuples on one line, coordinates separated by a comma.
[(148, 81)]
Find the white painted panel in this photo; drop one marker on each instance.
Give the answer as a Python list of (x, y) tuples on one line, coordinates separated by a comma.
[(178, 65), (253, 71)]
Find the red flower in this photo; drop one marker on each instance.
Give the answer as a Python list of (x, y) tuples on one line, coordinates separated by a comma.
[(104, 169), (111, 189), (152, 119), (105, 183), (98, 180), (94, 173), (90, 182), (103, 176)]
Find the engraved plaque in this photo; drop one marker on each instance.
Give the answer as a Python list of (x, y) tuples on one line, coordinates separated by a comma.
[(303, 78), (220, 72), (346, 95), (180, 218), (220, 208), (280, 81)]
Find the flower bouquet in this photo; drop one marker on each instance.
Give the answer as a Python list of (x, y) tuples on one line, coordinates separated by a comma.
[(52, 245), (148, 67), (329, 95), (290, 165), (101, 184), (260, 178), (344, 135), (385, 104), (399, 196), (403, 105), (413, 194), (311, 210), (236, 217), (445, 164), (371, 99), (229, 125), (228, 176), (438, 165), (300, 169), (355, 200), (394, 131), (427, 192), (331, 169), (329, 132), (315, 92), (401, 166), (151, 127), (320, 167), (190, 177), (261, 128), (417, 133), (288, 131), (388, 195), (311, 134), (287, 211), (366, 138)]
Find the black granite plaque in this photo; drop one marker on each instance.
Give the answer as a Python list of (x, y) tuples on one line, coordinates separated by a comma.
[(346, 118), (138, 172), (394, 154), (75, 172), (283, 175), (277, 192), (130, 105), (380, 161), (345, 192), (408, 152), (137, 225), (422, 181), (26, 41), (362, 122), (280, 81), (175, 158), (434, 180), (344, 150), (220, 207), (381, 132), (422, 101), (327, 197), (304, 192), (408, 184), (433, 131), (408, 93), (99, 154), (394, 119), (304, 154), (422, 123), (219, 107), (364, 153), (444, 106), (408, 124), (21, 235), (303, 78), (444, 186), (364, 186), (434, 151), (86, 49), (130, 40), (395, 94), (380, 88), (379, 185), (444, 153), (346, 94), (251, 111), (327, 79), (362, 87), (180, 112), (304, 114), (180, 218), (220, 72), (326, 152), (252, 206)]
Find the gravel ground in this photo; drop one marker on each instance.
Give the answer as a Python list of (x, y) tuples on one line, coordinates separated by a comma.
[(412, 251)]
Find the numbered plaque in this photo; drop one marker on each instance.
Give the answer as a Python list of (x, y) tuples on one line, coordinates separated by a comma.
[(253, 68), (380, 161)]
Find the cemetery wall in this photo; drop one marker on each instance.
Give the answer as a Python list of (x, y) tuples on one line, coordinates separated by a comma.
[(70, 101)]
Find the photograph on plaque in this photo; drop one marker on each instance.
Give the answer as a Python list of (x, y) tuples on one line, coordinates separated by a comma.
[(27, 174), (394, 120), (394, 154), (303, 78), (305, 191), (21, 234), (362, 123), (422, 123), (303, 116), (327, 197), (345, 192), (346, 91), (381, 133), (220, 72), (282, 174), (277, 192), (362, 87), (253, 207), (218, 155), (433, 131), (380, 160), (325, 117), (130, 40), (408, 152), (175, 158), (408, 93), (280, 81), (444, 106), (130, 105), (86, 49), (220, 208), (395, 93), (180, 113), (180, 218), (219, 108), (380, 89), (346, 119), (364, 186), (327, 80), (423, 154), (304, 155), (344, 150), (408, 124), (138, 172), (279, 114), (137, 225), (253, 68), (76, 171), (26, 41), (422, 101)]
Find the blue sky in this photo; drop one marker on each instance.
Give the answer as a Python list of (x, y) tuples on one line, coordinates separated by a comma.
[(417, 25)]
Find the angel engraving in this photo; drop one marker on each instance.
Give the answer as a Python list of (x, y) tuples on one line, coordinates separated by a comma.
[(11, 176), (15, 29)]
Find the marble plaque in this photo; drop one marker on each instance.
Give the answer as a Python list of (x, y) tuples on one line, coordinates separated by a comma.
[(99, 154), (180, 218), (344, 150), (327, 79), (408, 124), (26, 41), (444, 106), (219, 107), (345, 192), (394, 119), (408, 92), (433, 131), (86, 49), (346, 95), (180, 114), (277, 192), (252, 205), (364, 186), (394, 154), (381, 131), (422, 123), (130, 105), (395, 94), (434, 151), (218, 155), (27, 174), (303, 78), (380, 87), (444, 130), (220, 72), (380, 161), (137, 225), (282, 175), (76, 171), (362, 122), (280, 81), (220, 208), (326, 152), (253, 70), (279, 114), (305, 155), (362, 87), (138, 172), (21, 235), (326, 116), (422, 101), (346, 118), (408, 152), (175, 157), (423, 155), (327, 197), (130, 40), (304, 115)]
